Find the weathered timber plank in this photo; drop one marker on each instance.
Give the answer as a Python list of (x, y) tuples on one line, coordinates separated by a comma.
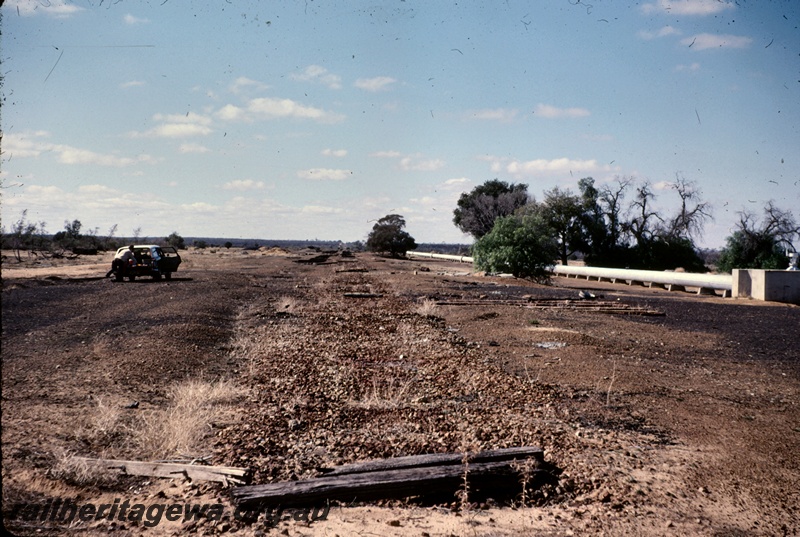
[(222, 474), (390, 484), (436, 459)]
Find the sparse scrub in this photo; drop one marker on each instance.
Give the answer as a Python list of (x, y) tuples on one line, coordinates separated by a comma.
[(180, 428), (76, 471), (104, 424), (391, 394), (427, 308), (468, 448), (288, 304), (526, 469)]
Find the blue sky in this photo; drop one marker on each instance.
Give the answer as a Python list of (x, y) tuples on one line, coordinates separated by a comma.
[(310, 119)]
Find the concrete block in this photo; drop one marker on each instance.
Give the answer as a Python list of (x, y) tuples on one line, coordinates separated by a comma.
[(769, 285)]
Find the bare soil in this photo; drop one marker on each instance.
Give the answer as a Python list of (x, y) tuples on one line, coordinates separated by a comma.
[(685, 423)]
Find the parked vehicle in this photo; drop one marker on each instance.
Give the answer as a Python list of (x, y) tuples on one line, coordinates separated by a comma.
[(151, 260)]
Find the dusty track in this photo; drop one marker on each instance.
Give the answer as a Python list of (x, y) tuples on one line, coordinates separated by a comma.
[(681, 424)]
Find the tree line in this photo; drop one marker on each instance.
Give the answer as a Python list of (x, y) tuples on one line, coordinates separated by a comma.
[(613, 225), (32, 237)]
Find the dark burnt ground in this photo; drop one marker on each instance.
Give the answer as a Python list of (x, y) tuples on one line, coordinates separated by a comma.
[(688, 419)]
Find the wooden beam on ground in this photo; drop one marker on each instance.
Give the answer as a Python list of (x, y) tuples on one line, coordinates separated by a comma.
[(437, 459), (222, 474), (382, 485)]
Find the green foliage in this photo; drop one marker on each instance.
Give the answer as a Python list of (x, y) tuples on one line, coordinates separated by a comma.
[(70, 238), (523, 245), (228, 244), (751, 250), (477, 210), (760, 244), (200, 244), (72, 230), (389, 237), (176, 241), (666, 253), (563, 212)]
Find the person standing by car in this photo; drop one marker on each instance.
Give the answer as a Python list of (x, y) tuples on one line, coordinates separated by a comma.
[(122, 261)]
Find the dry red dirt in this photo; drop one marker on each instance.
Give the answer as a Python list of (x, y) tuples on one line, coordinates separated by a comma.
[(685, 423)]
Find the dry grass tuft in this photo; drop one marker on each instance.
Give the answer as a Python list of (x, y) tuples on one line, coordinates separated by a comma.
[(181, 428), (391, 394), (104, 424), (288, 304), (75, 471), (427, 308), (526, 469)]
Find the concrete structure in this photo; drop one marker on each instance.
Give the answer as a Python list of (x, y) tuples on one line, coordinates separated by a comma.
[(771, 285), (459, 258), (673, 281)]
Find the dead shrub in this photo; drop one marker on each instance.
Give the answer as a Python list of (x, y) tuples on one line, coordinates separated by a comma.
[(104, 424), (427, 308), (78, 472), (390, 394), (288, 304), (180, 428)]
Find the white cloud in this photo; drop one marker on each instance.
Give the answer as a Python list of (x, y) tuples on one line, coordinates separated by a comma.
[(179, 130), (425, 200), (707, 41), (130, 19), (200, 207), (177, 126), (243, 184), (243, 82), (25, 144), (544, 167), (320, 209), (412, 162), (53, 8), (316, 73), (335, 152), (494, 114), (131, 84), (193, 148), (95, 189), (379, 83), (231, 112), (31, 144), (73, 155), (324, 174), (663, 185), (386, 154), (416, 164), (691, 67), (265, 108), (663, 32), (91, 199), (375, 204), (687, 7), (548, 111), (189, 117), (458, 183), (268, 107)]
